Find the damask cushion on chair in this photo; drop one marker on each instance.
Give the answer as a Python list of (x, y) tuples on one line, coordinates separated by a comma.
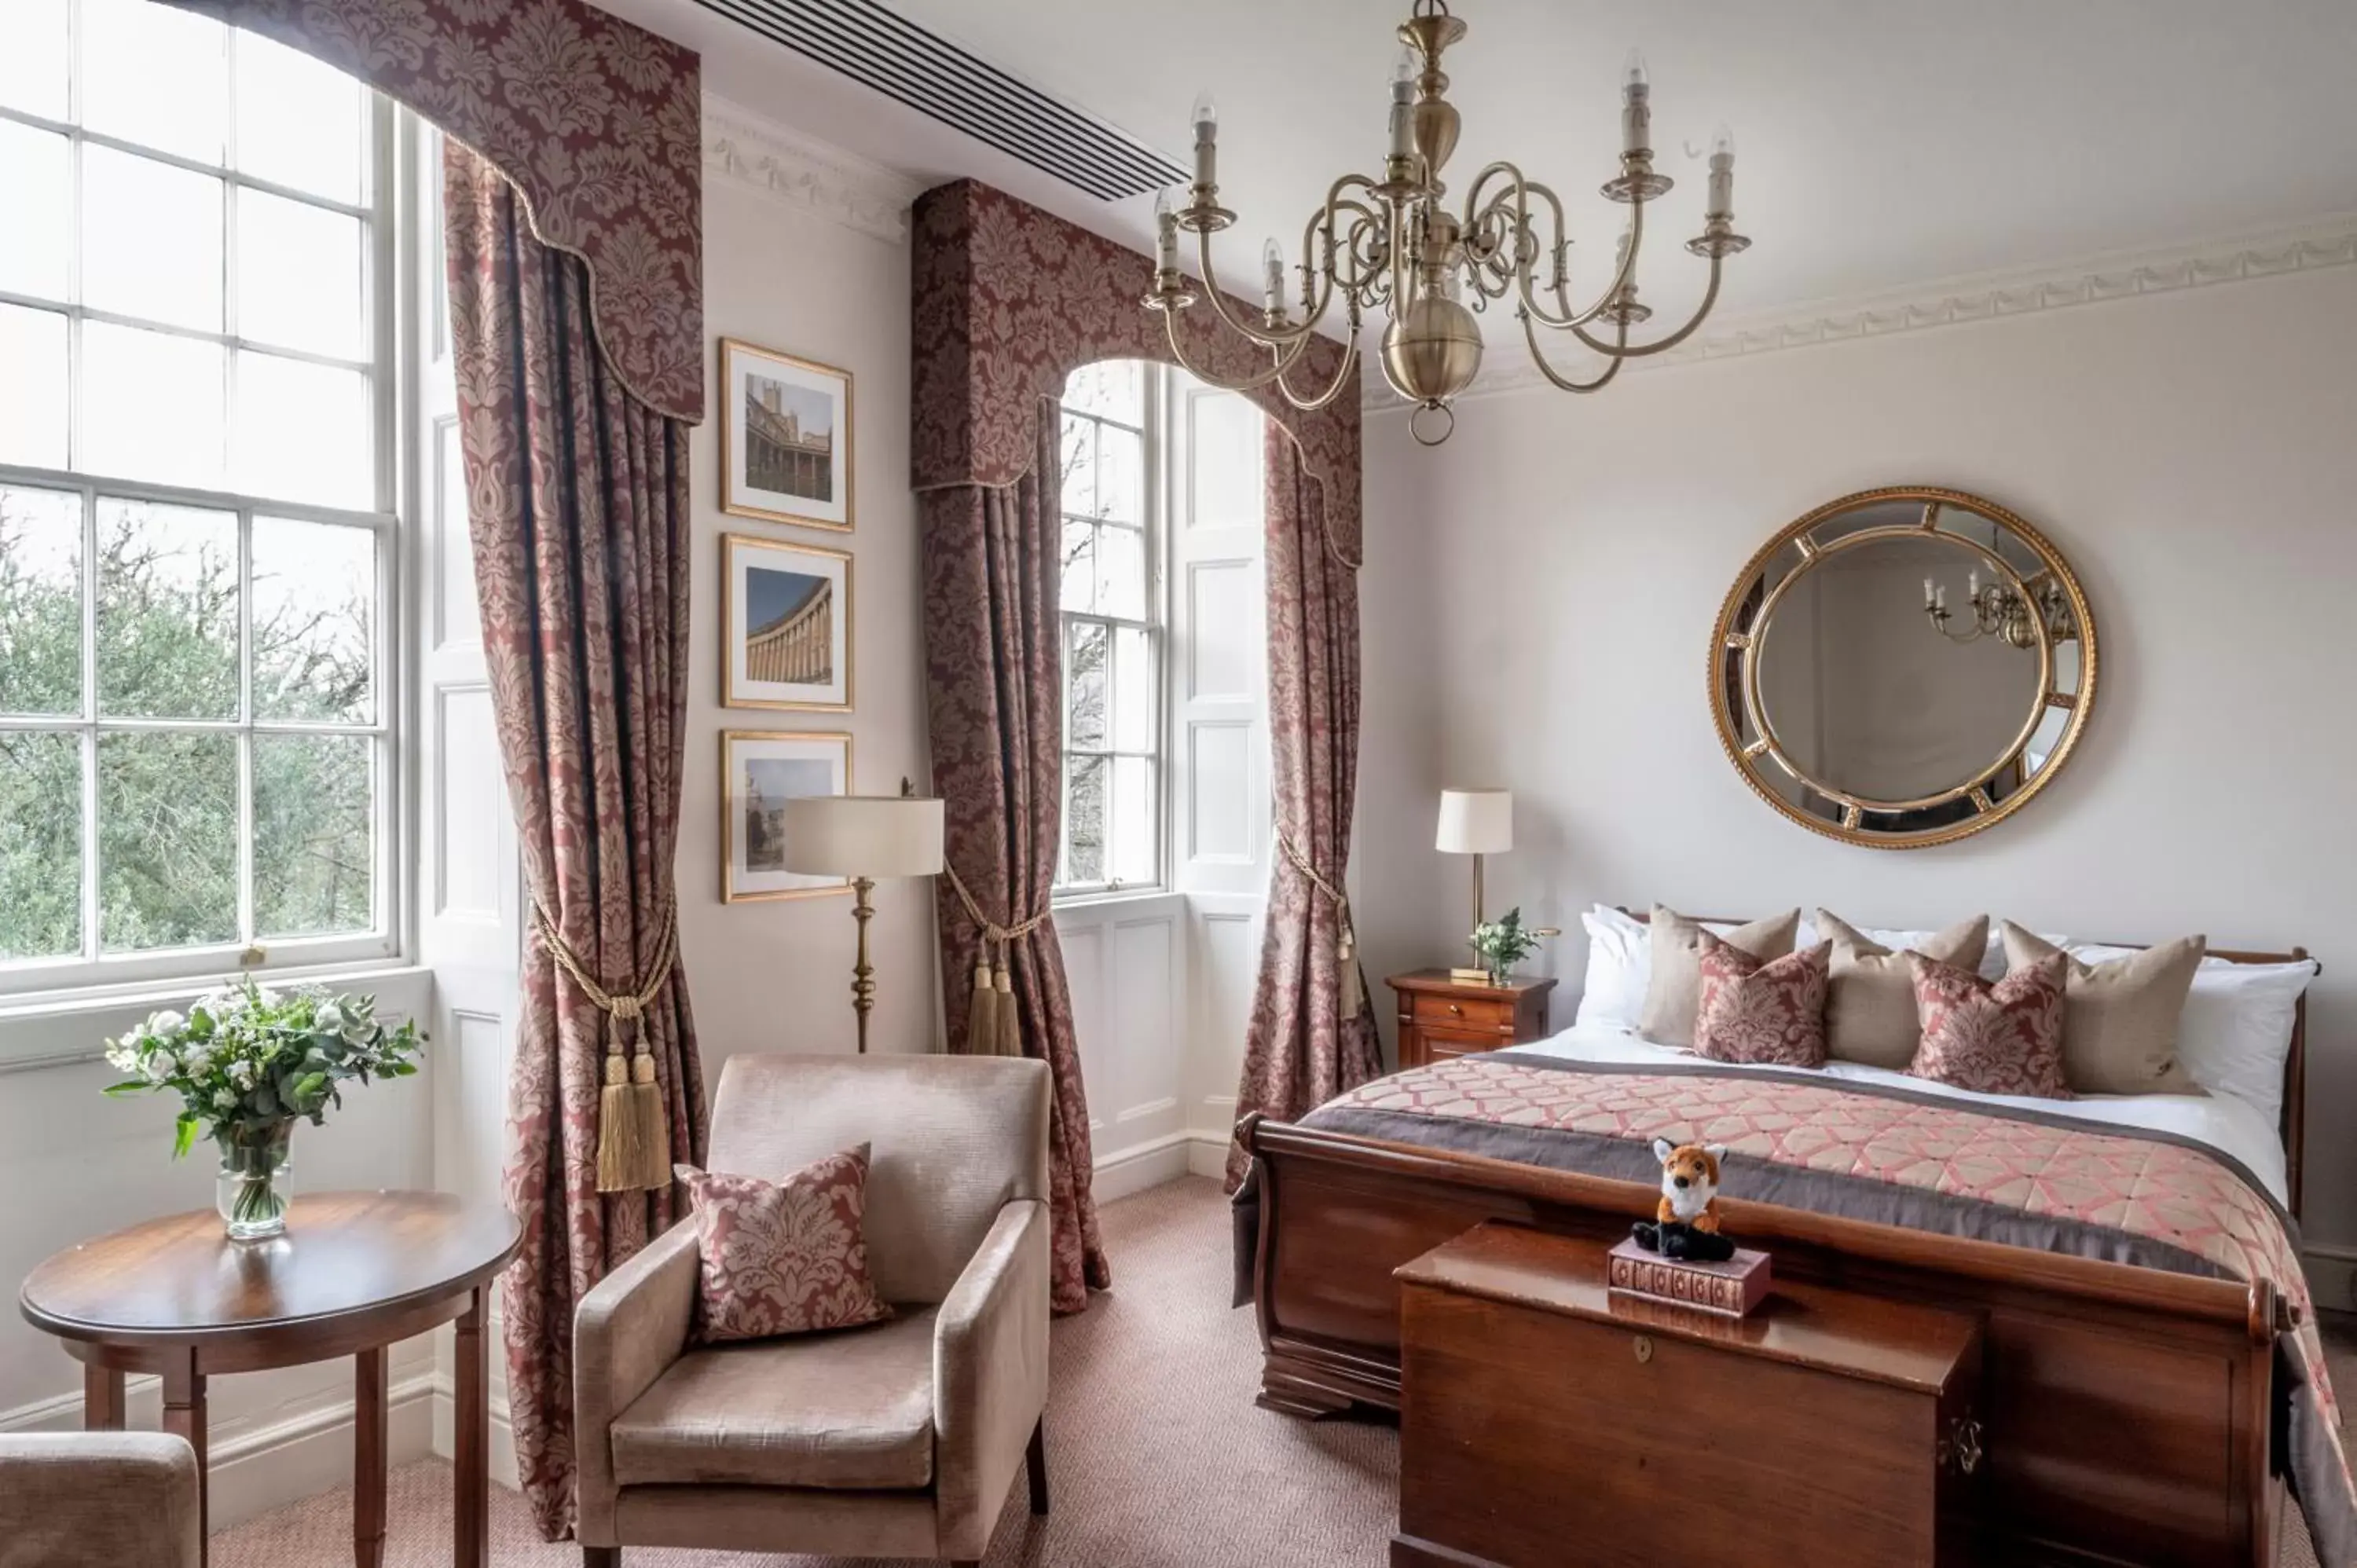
[(849, 1412), (1762, 1010), (784, 1257), (1993, 1037)]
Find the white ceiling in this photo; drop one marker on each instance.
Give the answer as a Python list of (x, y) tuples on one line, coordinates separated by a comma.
[(1882, 144)]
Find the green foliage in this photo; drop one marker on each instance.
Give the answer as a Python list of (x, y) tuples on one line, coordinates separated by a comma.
[(1504, 943)]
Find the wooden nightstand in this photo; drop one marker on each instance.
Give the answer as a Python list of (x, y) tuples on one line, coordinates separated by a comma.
[(1442, 1017)]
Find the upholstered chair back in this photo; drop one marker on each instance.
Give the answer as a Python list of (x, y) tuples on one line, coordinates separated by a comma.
[(953, 1140)]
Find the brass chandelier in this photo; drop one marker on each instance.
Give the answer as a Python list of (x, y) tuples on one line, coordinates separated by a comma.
[(1394, 244)]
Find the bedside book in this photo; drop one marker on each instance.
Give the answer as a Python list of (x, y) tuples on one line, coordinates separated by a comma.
[(1732, 1288)]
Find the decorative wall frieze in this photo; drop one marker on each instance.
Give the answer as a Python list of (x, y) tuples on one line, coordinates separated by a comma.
[(805, 173), (2329, 242)]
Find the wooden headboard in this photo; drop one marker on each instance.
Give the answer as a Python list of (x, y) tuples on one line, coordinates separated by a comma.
[(2292, 1125)]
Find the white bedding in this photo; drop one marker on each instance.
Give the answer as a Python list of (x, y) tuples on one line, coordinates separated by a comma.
[(2219, 1120)]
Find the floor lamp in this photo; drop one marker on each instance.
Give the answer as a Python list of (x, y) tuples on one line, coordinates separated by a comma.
[(863, 837)]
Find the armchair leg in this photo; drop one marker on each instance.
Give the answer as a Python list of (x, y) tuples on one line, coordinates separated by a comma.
[(601, 1557), (1036, 1462)]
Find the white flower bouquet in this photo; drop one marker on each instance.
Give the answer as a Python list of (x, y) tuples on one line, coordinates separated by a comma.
[(247, 1062)]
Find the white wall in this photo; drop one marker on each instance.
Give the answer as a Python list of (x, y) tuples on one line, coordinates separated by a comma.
[(1540, 591)]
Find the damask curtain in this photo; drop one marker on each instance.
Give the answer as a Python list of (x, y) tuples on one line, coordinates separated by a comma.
[(993, 655), (1312, 1033), (577, 496)]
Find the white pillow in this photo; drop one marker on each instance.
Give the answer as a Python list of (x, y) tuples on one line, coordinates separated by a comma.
[(2235, 1031), (1620, 965)]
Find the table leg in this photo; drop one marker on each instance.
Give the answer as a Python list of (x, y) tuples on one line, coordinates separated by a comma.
[(102, 1399), (471, 1481), (183, 1415), (369, 1457)]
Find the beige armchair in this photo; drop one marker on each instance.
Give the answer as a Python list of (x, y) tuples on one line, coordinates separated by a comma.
[(98, 1499), (896, 1441)]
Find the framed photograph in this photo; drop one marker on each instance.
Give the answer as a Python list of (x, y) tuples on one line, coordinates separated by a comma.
[(787, 630), (785, 438), (760, 771)]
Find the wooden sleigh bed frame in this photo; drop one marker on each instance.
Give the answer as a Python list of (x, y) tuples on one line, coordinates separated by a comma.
[(2130, 1413)]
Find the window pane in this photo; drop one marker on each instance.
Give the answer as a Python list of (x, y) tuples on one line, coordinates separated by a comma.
[(1079, 593), (40, 845), (302, 432), (33, 390), (154, 75), (33, 66), (40, 602), (167, 840), (300, 122), (1120, 475), (1085, 681), (1133, 852), (314, 622), (1120, 572), (1136, 717), (151, 239), (151, 406), (298, 276), (35, 191), (167, 611), (1084, 819), (1112, 388), (314, 856), (1080, 442)]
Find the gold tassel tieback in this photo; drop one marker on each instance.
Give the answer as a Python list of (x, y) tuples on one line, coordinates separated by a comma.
[(633, 1129), (1350, 985), (992, 1025)]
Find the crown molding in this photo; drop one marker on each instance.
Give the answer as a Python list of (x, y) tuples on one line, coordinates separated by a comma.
[(803, 173), (2327, 242)]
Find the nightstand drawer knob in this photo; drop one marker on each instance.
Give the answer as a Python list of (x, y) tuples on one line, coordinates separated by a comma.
[(1644, 1348), (1457, 1009)]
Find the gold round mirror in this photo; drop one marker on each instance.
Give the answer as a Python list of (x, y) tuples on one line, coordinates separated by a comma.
[(1902, 667)]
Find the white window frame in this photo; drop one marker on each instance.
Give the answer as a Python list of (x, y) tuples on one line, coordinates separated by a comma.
[(1154, 546), (390, 300)]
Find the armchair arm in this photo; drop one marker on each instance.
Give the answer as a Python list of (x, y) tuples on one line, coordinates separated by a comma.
[(627, 1330), (94, 1499), (990, 1375)]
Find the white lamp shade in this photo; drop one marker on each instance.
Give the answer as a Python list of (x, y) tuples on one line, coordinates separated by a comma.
[(863, 836), (1475, 821)]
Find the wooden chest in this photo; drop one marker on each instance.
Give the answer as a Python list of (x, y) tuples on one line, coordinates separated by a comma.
[(1546, 1421)]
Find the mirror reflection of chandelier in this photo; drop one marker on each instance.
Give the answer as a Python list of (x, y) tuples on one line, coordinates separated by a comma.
[(2001, 612), (1394, 244)]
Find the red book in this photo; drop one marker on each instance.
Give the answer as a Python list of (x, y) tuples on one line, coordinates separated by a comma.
[(1732, 1288)]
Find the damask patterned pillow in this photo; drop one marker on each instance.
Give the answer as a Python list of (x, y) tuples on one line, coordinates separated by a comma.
[(1762, 1010), (783, 1257), (1999, 1036)]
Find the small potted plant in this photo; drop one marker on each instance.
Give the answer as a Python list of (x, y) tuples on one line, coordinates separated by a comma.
[(1502, 943), (246, 1062)]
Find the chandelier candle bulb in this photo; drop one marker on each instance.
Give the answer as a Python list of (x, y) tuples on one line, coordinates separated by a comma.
[(1165, 233), (1722, 175), (1636, 111), (1403, 126), (1272, 289), (1205, 118)]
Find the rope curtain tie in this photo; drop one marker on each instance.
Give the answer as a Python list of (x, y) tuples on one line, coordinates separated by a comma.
[(1350, 986), (992, 1028), (633, 1129)]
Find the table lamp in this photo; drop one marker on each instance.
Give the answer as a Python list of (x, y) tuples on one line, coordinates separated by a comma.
[(1475, 822), (863, 837)]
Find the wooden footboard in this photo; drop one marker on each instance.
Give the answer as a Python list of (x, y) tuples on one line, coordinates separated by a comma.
[(2127, 1410)]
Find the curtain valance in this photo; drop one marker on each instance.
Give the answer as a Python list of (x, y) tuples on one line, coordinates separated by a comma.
[(596, 122)]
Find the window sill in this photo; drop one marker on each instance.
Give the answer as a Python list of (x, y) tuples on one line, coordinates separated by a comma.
[(1126, 897), (59, 1028)]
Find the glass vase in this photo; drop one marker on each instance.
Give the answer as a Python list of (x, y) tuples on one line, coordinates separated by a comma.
[(253, 1189)]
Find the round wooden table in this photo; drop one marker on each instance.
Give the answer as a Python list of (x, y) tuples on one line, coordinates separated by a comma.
[(354, 1272)]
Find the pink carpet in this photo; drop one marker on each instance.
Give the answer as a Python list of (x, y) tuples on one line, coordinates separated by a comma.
[(1157, 1456)]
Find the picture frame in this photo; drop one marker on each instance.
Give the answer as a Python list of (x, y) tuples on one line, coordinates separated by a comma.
[(785, 438), (760, 771), (786, 625)]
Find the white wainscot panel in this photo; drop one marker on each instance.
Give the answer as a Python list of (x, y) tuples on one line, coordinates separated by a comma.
[(470, 1071), (1228, 947), (1223, 610), (457, 617), (1124, 960), (1219, 808), (1084, 974), (1143, 966), (466, 858)]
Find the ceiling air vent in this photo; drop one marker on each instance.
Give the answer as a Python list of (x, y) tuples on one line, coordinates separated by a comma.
[(933, 76)]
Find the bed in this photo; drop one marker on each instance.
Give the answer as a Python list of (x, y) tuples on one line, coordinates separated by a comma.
[(2153, 1374)]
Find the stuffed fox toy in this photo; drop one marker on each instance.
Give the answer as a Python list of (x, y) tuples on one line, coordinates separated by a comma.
[(1689, 1183)]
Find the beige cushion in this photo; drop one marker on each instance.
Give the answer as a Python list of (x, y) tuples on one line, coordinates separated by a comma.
[(1870, 1005), (2119, 1019), (953, 1140), (98, 1499), (850, 1411), (1673, 995)]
